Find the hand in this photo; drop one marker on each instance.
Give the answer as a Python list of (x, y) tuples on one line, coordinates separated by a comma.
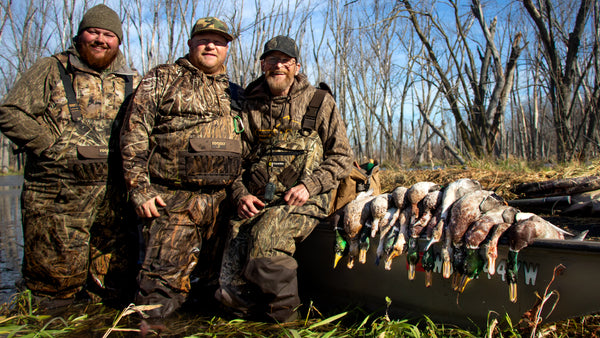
[(249, 206), (297, 195), (149, 209)]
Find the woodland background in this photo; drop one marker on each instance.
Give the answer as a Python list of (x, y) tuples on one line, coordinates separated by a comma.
[(417, 82)]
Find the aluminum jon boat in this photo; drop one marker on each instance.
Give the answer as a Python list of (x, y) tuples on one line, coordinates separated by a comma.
[(575, 290)]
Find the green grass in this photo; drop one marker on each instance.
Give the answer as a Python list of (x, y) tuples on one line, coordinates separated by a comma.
[(20, 318)]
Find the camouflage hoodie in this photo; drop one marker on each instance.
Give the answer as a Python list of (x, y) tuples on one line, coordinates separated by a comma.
[(262, 112), (35, 113), (174, 104)]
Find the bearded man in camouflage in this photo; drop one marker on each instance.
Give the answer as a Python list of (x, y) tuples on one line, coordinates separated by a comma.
[(294, 162), (180, 151), (65, 113)]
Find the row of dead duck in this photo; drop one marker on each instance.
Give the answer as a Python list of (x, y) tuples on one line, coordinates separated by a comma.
[(466, 219)]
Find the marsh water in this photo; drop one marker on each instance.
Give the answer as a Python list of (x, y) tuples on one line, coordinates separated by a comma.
[(11, 236)]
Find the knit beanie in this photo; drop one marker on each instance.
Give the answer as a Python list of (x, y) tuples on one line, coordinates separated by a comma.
[(101, 16)]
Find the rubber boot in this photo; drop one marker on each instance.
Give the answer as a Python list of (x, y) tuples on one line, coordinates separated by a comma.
[(276, 276), (154, 292)]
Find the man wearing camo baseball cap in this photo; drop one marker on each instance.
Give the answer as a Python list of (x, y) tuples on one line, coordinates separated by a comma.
[(181, 149), (211, 24)]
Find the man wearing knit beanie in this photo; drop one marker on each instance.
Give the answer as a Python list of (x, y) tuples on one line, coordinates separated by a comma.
[(64, 113), (99, 36), (101, 16)]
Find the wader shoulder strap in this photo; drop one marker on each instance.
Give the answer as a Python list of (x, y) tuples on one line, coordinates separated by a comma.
[(309, 122), (70, 90)]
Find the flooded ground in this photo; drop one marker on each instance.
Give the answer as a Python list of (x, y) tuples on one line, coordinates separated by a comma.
[(11, 236)]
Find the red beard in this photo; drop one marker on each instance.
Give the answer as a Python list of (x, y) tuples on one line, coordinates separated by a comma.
[(93, 59)]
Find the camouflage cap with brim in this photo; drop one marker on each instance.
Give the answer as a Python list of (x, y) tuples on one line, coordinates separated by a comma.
[(211, 25), (283, 44)]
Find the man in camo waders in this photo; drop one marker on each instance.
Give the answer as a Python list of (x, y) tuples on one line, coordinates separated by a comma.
[(65, 113), (298, 152), (181, 149)]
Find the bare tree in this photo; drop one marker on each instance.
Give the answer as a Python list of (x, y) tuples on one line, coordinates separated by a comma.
[(562, 77)]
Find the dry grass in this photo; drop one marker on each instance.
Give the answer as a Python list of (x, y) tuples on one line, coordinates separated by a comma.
[(500, 178)]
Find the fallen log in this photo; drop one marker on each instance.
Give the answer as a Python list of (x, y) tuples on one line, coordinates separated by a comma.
[(560, 187)]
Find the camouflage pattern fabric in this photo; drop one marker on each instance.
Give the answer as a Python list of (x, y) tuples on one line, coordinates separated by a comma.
[(67, 198), (272, 232), (260, 249), (173, 105), (265, 116), (176, 109), (173, 244), (286, 159)]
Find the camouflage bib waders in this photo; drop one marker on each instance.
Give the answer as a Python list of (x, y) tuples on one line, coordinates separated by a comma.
[(194, 153), (75, 228), (260, 249)]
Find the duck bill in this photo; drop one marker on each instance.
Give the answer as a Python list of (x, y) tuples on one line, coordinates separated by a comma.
[(428, 278), (388, 260), (336, 260), (411, 272), (512, 292), (350, 264), (446, 269), (362, 256), (463, 283), (492, 254), (491, 265)]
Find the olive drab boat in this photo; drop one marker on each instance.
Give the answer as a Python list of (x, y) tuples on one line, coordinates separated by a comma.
[(575, 290)]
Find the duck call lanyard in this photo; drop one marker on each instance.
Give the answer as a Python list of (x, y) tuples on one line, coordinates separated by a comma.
[(74, 108), (270, 187)]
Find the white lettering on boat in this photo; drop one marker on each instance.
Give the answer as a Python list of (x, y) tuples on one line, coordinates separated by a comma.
[(527, 270), (530, 270)]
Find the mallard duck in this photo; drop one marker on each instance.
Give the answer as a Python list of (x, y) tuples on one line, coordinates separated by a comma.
[(427, 207), (341, 246), (528, 228), (355, 215), (388, 224), (396, 240), (379, 206), (451, 194), (477, 233), (428, 259), (364, 242), (464, 212)]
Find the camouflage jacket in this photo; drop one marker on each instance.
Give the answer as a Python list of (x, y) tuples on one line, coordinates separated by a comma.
[(35, 113), (173, 105), (264, 115)]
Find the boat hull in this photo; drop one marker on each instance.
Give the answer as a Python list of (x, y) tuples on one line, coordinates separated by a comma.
[(367, 285)]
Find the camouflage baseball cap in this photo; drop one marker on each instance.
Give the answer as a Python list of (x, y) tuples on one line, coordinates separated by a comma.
[(283, 44), (211, 24)]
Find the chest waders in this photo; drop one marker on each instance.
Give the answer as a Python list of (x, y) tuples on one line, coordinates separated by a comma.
[(285, 158), (91, 163)]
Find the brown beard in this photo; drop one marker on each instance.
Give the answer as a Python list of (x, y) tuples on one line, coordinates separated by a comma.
[(278, 86), (95, 62)]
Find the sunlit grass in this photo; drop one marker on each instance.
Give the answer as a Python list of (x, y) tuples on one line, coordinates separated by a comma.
[(21, 318)]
